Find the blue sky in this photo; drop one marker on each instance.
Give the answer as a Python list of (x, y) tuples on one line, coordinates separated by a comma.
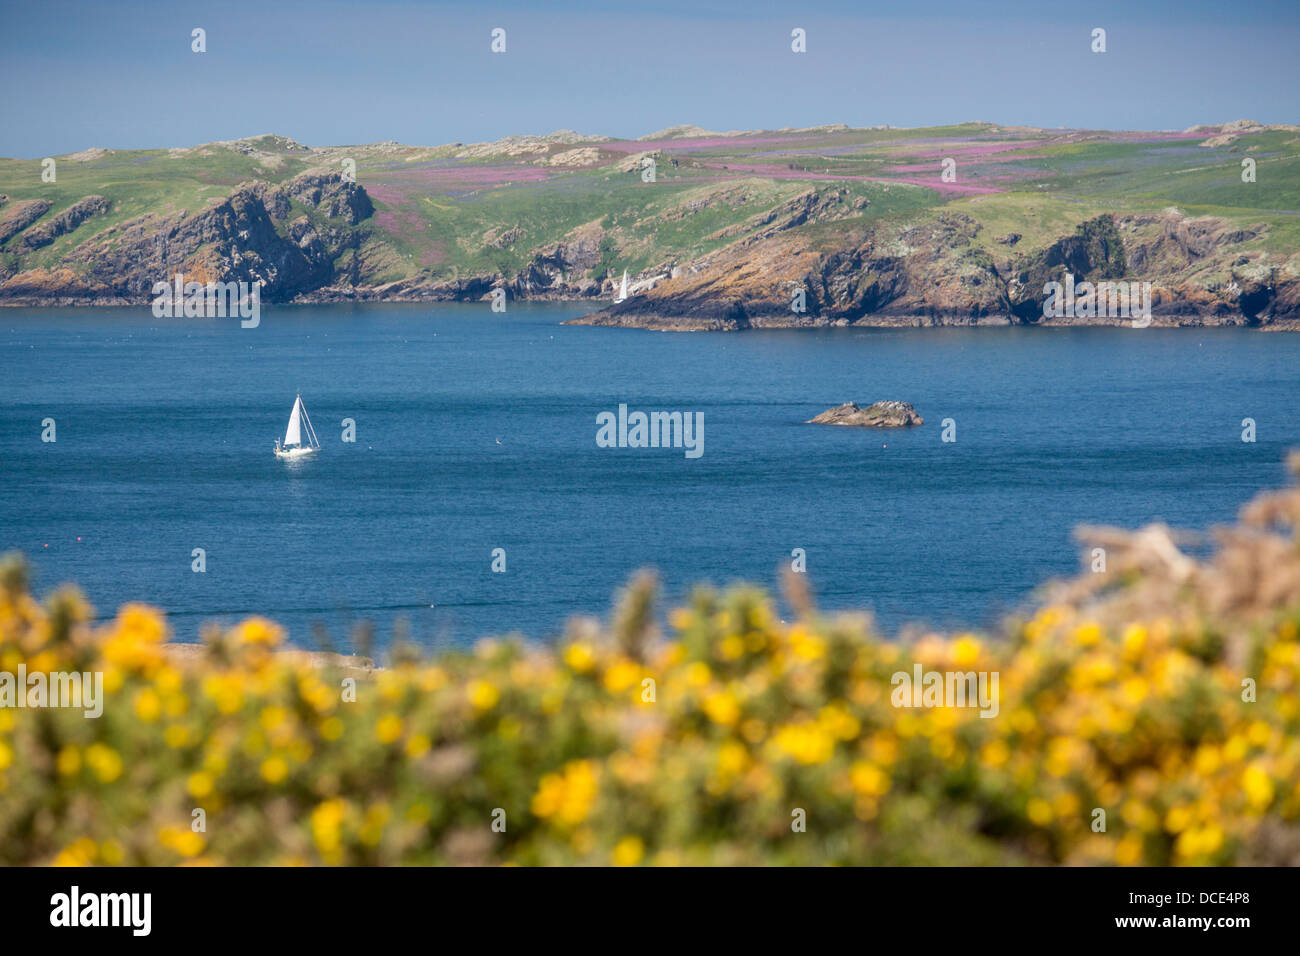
[(120, 74)]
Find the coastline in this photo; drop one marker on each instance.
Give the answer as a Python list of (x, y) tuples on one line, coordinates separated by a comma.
[(704, 251), (713, 317), (661, 322)]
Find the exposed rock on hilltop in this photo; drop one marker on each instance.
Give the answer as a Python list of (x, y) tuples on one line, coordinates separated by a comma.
[(1236, 126), (687, 131), (524, 145), (579, 156), (876, 415)]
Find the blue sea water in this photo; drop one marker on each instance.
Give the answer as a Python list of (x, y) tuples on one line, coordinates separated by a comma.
[(476, 431)]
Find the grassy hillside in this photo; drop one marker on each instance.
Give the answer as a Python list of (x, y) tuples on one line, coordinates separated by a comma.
[(575, 209)]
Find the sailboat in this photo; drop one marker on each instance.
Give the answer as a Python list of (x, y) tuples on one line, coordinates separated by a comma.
[(299, 428), (622, 290)]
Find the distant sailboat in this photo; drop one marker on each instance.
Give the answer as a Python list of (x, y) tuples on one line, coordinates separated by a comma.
[(622, 290), (299, 427)]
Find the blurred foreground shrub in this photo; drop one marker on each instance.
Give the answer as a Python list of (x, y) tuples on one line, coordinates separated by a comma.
[(1160, 698)]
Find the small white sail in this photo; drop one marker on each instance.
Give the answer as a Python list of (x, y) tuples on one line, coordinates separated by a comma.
[(622, 289), (293, 435)]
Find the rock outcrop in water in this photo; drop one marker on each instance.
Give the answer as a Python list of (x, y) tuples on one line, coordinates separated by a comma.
[(876, 415)]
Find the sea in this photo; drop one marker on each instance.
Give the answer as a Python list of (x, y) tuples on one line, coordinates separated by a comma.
[(475, 499)]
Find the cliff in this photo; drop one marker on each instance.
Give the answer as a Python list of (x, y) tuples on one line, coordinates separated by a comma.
[(937, 274), (788, 228), (287, 236)]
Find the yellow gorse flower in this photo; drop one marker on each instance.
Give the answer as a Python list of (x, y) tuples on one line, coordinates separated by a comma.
[(483, 695), (566, 797)]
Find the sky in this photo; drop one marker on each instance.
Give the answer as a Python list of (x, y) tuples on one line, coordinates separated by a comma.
[(121, 74)]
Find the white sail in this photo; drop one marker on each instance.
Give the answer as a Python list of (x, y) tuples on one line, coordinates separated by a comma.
[(622, 290), (293, 436)]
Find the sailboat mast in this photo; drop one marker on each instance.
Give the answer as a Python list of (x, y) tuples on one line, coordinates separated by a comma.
[(310, 431)]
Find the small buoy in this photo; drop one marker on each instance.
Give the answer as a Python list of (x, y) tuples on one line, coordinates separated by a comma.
[(78, 537), (47, 544), (884, 446)]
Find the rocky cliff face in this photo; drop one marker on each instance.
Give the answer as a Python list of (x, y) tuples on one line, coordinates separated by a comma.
[(936, 273), (562, 267), (20, 215), (809, 260), (62, 224), (288, 236), (929, 270), (1092, 253)]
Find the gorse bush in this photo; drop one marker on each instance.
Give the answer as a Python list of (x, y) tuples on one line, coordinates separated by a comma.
[(1147, 715)]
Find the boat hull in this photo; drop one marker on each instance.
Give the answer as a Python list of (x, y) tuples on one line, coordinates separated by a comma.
[(294, 452)]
